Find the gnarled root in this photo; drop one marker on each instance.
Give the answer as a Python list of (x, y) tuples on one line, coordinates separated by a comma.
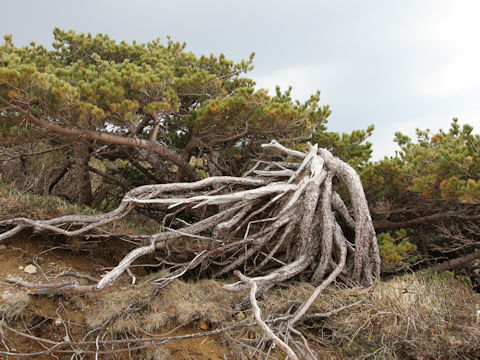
[(274, 224)]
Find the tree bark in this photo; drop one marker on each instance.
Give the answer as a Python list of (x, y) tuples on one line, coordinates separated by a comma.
[(424, 219), (108, 138), (457, 263), (81, 157), (60, 174), (159, 167)]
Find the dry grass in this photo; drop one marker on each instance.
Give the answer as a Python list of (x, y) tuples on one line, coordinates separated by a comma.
[(185, 302), (14, 203), (12, 305), (180, 303), (156, 353), (421, 316), (116, 306), (418, 316)]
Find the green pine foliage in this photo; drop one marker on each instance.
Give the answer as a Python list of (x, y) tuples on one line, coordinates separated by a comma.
[(396, 251), (444, 167), (437, 175), (352, 148), (208, 109), (89, 81), (205, 105)]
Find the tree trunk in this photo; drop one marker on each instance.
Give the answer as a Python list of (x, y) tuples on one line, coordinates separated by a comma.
[(160, 169), (60, 174), (84, 186)]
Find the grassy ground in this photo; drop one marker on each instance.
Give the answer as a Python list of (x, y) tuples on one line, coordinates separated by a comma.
[(415, 316)]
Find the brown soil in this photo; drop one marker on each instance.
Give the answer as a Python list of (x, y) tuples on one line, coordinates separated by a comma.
[(403, 318), (62, 317)]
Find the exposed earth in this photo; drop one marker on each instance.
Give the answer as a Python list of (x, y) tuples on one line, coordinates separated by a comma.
[(414, 316), (61, 318)]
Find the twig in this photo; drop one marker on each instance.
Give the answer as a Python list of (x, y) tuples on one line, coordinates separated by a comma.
[(58, 285), (96, 342), (258, 317), (130, 273), (78, 275), (333, 312), (39, 152)]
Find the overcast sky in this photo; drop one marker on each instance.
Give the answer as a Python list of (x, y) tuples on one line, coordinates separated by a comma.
[(396, 64)]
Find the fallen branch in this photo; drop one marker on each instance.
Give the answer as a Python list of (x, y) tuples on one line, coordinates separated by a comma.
[(456, 263), (57, 345), (424, 219), (50, 288)]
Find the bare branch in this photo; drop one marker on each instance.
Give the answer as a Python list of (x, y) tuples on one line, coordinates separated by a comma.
[(258, 317), (291, 217)]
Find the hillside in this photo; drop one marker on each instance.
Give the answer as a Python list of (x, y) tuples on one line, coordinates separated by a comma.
[(412, 316)]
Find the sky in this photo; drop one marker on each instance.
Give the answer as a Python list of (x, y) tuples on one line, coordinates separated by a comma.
[(399, 65)]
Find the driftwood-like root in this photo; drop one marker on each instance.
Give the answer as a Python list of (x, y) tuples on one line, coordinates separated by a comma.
[(278, 222), (281, 220), (257, 313)]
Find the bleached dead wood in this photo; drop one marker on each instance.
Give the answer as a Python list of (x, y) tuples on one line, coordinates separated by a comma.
[(281, 213), (258, 317), (277, 222)]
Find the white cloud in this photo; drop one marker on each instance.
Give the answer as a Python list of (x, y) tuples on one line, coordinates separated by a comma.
[(471, 117), (305, 81), (452, 29), (383, 140), (462, 73)]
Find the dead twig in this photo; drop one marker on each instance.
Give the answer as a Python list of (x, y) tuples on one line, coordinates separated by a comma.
[(257, 313)]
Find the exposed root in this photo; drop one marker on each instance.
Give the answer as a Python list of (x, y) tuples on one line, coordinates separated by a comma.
[(282, 213), (258, 317), (55, 287)]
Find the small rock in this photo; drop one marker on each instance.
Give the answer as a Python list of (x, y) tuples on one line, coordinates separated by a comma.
[(30, 269), (240, 316), (66, 338), (58, 322), (203, 325), (2, 247), (21, 267)]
